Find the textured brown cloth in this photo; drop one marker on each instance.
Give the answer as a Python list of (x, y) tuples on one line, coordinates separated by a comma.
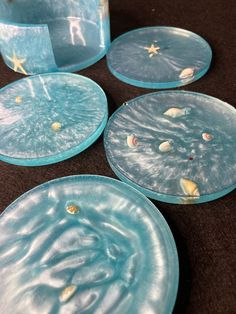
[(205, 234)]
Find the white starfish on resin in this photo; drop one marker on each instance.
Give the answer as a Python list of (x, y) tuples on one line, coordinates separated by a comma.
[(152, 50), (17, 63)]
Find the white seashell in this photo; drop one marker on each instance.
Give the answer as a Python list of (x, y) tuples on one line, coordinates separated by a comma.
[(165, 147), (189, 187), (186, 73), (177, 112), (67, 293), (207, 137), (132, 141)]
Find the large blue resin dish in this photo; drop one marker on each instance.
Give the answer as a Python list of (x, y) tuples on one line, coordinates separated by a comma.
[(48, 118), (86, 244), (159, 57), (174, 146)]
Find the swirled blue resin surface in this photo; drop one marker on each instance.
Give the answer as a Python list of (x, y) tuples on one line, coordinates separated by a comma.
[(46, 36), (178, 147), (115, 254), (159, 57), (48, 118)]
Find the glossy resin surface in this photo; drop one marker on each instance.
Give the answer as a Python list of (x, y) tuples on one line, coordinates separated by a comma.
[(159, 57), (86, 244), (47, 36), (174, 146), (49, 118)]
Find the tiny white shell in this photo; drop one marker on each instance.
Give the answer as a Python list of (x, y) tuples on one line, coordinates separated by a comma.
[(177, 112), (189, 187), (67, 293), (132, 141), (207, 137), (186, 73), (165, 147)]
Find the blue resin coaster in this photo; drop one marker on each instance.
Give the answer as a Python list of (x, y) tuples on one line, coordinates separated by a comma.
[(86, 244), (159, 57), (48, 118), (174, 146)]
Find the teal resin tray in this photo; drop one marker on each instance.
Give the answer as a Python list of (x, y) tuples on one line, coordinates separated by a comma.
[(86, 244), (159, 57), (174, 146), (48, 118)]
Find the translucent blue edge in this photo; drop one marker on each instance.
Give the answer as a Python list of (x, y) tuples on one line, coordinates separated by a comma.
[(156, 85), (167, 198), (69, 153), (73, 68), (161, 222)]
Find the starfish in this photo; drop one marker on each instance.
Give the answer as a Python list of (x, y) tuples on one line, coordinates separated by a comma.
[(17, 63), (152, 50)]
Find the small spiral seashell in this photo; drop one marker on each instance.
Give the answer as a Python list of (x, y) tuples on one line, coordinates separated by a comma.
[(18, 100), (67, 293), (177, 112), (72, 209), (186, 73), (207, 137), (165, 147), (189, 187), (132, 141), (56, 126)]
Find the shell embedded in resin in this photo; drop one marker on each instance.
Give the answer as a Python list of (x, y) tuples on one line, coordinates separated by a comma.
[(189, 187), (67, 293), (165, 147), (56, 126), (132, 141), (207, 137), (18, 100), (177, 112), (186, 73), (72, 209)]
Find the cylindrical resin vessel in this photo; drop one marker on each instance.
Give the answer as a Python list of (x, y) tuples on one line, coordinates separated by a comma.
[(53, 35)]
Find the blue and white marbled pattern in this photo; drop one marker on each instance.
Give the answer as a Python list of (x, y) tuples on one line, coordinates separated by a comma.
[(54, 35), (117, 251), (211, 165), (29, 108)]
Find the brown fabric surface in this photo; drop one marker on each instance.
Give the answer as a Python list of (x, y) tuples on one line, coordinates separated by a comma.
[(205, 234)]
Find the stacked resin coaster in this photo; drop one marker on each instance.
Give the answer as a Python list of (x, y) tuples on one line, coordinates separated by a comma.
[(51, 117)]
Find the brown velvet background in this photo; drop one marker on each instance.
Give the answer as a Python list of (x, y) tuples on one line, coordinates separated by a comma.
[(205, 234)]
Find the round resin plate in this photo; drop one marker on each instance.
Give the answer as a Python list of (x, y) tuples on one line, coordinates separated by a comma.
[(174, 146), (159, 57), (86, 244), (48, 118)]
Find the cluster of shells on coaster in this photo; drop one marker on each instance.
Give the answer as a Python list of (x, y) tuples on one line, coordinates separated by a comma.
[(189, 187)]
